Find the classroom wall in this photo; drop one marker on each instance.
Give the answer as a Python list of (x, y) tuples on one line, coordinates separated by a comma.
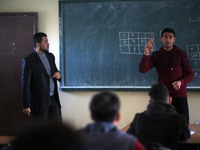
[(75, 104)]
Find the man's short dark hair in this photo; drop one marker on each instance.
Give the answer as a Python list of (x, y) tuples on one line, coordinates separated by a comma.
[(159, 92), (169, 30), (105, 106), (37, 38)]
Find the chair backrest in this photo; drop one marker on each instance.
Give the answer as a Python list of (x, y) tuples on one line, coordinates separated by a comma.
[(165, 132)]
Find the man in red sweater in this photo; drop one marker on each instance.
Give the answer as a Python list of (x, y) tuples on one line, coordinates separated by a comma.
[(173, 69)]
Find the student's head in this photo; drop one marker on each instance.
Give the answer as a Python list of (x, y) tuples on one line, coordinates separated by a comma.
[(168, 38), (40, 41), (48, 136), (159, 92), (105, 106)]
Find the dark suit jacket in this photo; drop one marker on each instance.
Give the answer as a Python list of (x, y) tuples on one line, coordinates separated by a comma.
[(35, 84)]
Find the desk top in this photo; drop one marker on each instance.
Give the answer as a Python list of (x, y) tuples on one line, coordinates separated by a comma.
[(194, 139), (6, 139)]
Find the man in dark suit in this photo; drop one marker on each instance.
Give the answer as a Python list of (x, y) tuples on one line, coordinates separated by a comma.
[(39, 77)]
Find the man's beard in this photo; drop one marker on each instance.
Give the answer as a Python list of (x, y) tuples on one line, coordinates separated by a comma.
[(44, 50)]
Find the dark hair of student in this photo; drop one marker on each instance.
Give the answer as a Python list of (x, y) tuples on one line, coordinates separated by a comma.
[(104, 106), (159, 92), (169, 30), (37, 38), (47, 136)]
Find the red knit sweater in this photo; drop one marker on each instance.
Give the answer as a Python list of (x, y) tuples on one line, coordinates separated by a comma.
[(171, 66)]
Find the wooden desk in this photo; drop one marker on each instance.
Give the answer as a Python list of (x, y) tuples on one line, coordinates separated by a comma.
[(6, 139), (125, 128), (194, 139)]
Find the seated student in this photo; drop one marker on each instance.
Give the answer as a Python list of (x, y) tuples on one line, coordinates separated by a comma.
[(103, 134), (160, 122), (47, 137)]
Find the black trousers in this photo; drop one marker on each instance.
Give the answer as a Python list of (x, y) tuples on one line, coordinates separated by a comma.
[(181, 105), (53, 114)]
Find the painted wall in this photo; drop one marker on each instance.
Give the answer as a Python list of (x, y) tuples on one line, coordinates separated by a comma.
[(75, 104)]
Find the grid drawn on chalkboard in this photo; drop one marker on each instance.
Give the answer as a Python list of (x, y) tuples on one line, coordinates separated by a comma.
[(134, 42), (193, 52)]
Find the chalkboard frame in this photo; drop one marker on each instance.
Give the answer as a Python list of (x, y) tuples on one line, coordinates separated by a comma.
[(65, 87)]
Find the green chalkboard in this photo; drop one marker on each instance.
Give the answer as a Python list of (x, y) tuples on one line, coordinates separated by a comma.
[(102, 42)]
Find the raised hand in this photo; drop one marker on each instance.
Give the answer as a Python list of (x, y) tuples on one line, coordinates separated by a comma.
[(149, 47)]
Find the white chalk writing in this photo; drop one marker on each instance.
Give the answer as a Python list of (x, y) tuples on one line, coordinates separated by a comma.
[(134, 42), (193, 52)]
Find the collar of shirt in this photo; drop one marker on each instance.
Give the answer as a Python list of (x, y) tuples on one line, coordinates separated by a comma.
[(99, 126)]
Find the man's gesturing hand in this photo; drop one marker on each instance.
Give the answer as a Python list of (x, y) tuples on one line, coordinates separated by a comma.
[(148, 48)]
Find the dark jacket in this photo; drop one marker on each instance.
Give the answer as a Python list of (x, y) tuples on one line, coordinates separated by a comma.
[(35, 84), (160, 123), (105, 136)]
